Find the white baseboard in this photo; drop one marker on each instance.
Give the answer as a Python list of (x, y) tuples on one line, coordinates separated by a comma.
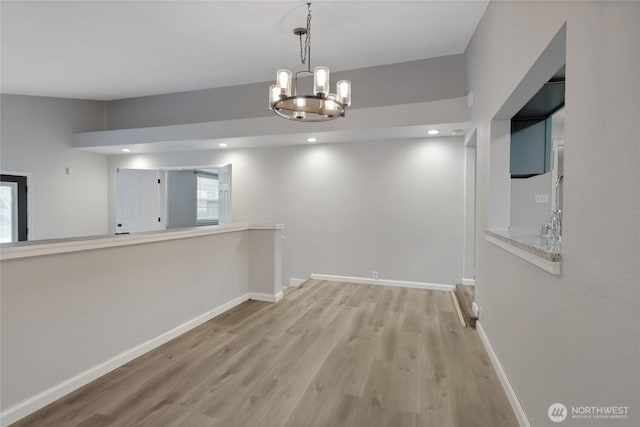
[(468, 282), (40, 400), (265, 297), (506, 385), (475, 309), (383, 282), (294, 283)]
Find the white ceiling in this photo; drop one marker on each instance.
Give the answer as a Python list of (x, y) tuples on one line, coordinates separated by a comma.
[(111, 49)]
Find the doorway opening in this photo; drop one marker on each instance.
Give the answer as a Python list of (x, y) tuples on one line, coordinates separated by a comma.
[(170, 198)]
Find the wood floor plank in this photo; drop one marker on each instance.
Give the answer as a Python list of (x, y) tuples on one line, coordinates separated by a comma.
[(95, 420), (434, 380), (277, 393), (400, 300), (342, 376), (390, 396), (328, 354)]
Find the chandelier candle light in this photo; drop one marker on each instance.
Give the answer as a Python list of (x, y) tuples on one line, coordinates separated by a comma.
[(319, 107)]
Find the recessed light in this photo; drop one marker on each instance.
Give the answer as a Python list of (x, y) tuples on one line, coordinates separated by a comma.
[(433, 132), (312, 139), (126, 150), (457, 132), (222, 144)]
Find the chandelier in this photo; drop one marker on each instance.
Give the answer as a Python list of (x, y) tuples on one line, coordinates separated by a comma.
[(317, 107)]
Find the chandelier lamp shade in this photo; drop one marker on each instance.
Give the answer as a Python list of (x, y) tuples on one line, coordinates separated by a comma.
[(288, 101)]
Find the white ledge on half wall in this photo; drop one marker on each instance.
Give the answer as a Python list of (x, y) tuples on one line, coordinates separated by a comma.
[(528, 248), (57, 246)]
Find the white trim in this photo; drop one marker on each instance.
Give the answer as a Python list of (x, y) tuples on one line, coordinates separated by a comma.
[(469, 231), (456, 305), (294, 283), (265, 227), (549, 266), (468, 282), (382, 282), (257, 296), (470, 137), (181, 168), (506, 385), (57, 246), (40, 400), (475, 309)]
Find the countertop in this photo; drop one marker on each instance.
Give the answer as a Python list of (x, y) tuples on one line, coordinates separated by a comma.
[(541, 247)]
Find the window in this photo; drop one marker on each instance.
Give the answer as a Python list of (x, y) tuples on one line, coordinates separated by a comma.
[(13, 208), (207, 198)]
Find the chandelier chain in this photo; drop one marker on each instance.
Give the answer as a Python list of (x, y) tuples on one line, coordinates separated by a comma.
[(306, 48)]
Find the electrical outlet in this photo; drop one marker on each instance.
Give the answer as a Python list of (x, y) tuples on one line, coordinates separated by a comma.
[(374, 274), (542, 198)]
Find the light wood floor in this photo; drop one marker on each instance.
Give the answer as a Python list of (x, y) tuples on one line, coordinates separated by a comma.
[(329, 354)]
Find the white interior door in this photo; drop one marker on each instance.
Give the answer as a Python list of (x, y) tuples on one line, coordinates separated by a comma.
[(224, 194), (8, 212), (138, 206)]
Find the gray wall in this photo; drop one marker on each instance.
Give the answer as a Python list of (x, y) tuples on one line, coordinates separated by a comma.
[(395, 207), (572, 338), (36, 139), (181, 199), (416, 81), (526, 214)]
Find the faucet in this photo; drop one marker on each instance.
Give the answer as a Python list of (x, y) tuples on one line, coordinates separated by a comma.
[(558, 187), (553, 228)]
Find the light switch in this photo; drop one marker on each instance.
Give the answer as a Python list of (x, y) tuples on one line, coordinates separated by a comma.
[(542, 198)]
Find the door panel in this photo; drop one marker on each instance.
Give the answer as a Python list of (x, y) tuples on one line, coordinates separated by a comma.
[(138, 206)]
